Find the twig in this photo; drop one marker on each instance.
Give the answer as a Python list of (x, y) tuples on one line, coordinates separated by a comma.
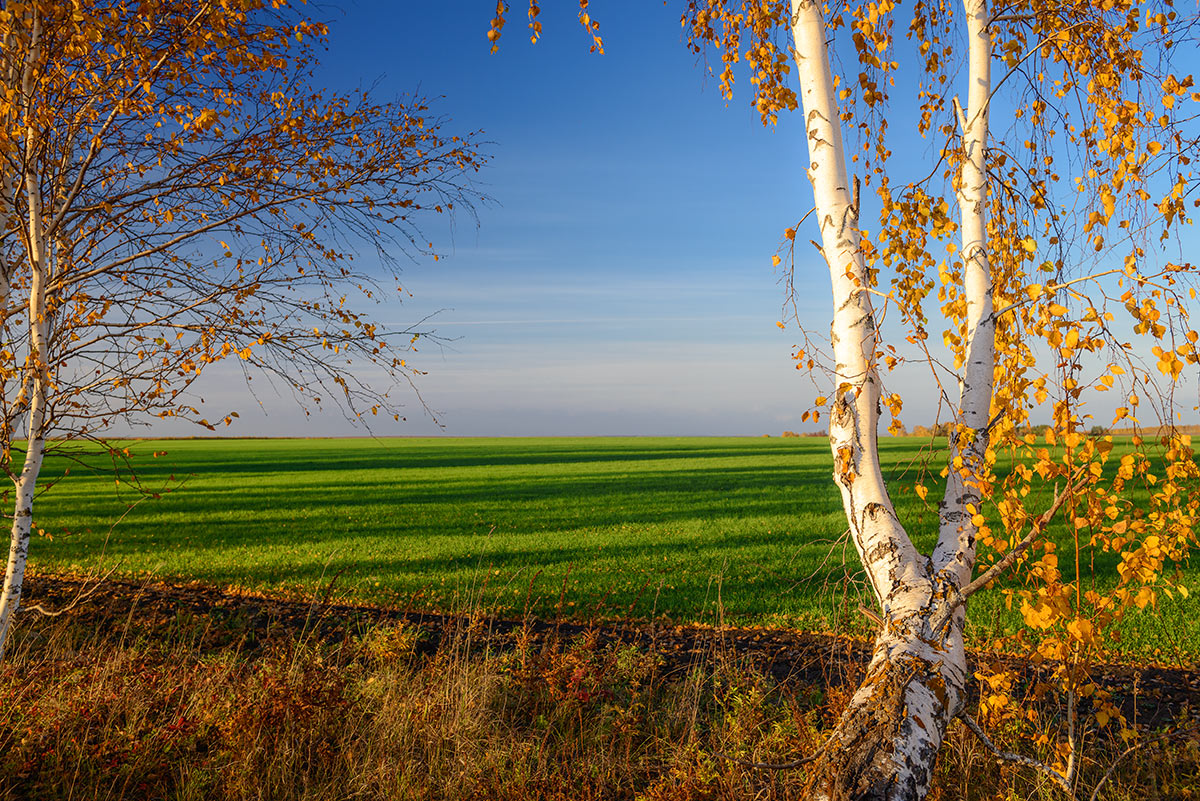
[(1039, 526), (854, 201), (1010, 18), (83, 596), (328, 593), (870, 615), (1053, 288), (958, 112), (1007, 756), (1113, 767)]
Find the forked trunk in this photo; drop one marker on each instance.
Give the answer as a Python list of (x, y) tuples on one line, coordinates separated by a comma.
[(886, 743)]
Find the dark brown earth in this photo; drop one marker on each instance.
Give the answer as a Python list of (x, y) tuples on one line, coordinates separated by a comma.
[(213, 618)]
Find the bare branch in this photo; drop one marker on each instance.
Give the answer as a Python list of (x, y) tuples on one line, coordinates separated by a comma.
[(1036, 530), (1112, 768), (1008, 756)]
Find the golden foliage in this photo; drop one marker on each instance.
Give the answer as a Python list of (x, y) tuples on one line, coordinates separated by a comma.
[(177, 193)]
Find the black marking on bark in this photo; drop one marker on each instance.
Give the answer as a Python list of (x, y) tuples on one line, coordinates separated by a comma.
[(880, 551)]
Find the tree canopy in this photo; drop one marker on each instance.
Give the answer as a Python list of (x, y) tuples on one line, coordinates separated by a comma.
[(177, 192)]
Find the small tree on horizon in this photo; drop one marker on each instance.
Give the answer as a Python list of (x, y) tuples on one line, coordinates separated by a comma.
[(175, 192)]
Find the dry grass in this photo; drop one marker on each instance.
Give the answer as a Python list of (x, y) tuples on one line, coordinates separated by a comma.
[(125, 716)]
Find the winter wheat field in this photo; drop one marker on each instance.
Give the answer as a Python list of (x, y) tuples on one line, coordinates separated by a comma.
[(740, 531)]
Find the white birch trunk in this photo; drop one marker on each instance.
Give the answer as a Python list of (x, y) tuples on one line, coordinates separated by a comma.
[(18, 550), (26, 483), (954, 556), (886, 742), (36, 374), (887, 553)]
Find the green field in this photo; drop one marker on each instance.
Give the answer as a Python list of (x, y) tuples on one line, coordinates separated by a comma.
[(692, 529)]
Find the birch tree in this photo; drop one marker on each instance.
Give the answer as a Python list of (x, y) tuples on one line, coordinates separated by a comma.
[(177, 193), (1038, 253)]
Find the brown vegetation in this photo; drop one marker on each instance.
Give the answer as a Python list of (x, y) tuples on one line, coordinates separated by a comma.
[(199, 706)]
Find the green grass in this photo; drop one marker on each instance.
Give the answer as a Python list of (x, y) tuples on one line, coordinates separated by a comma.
[(691, 529)]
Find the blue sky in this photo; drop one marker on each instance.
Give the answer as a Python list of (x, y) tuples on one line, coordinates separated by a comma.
[(619, 280)]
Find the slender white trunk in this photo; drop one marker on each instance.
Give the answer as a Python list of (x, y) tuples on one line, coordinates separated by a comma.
[(36, 370), (885, 549), (954, 556), (886, 742), (18, 549), (26, 483)]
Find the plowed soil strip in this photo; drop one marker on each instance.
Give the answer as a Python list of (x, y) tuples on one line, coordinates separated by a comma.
[(215, 618)]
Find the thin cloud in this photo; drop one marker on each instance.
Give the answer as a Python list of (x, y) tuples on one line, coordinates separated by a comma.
[(590, 320)]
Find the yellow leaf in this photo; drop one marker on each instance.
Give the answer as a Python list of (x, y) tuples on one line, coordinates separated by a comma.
[(1082, 630)]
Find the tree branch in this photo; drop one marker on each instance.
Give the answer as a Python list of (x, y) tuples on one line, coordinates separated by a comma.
[(1038, 528), (1113, 767), (959, 597), (1008, 756), (83, 596), (1054, 288)]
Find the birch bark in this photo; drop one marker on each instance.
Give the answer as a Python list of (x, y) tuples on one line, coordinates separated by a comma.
[(35, 368), (954, 555), (26, 482), (35, 448), (885, 744)]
